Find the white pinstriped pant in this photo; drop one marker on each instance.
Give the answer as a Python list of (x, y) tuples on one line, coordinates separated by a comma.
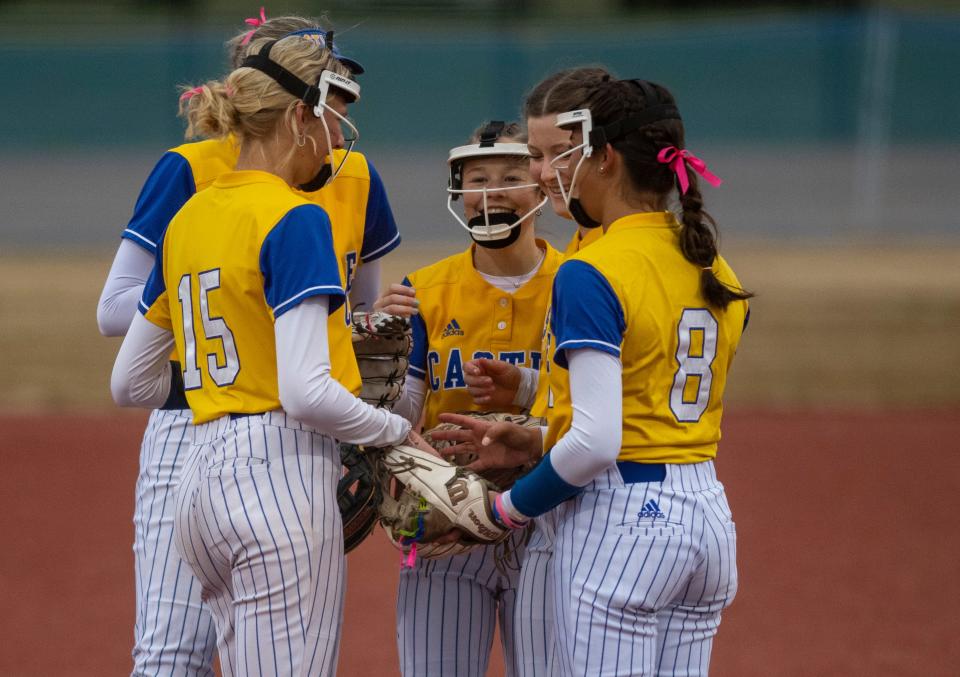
[(642, 595), (447, 609), (533, 612), (258, 522), (174, 633)]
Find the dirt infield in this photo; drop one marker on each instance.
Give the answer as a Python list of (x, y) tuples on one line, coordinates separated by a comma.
[(846, 525)]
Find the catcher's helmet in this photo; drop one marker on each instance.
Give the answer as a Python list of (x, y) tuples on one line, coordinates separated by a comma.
[(489, 230)]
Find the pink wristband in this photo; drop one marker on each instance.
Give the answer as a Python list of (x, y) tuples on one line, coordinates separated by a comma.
[(504, 517)]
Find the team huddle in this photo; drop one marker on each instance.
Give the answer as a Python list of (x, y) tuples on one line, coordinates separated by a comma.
[(537, 427)]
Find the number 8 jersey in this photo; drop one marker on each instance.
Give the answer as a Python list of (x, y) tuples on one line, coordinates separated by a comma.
[(633, 294), (236, 257)]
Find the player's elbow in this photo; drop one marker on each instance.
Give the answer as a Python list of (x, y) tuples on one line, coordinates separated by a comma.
[(131, 386), (294, 393), (108, 324), (120, 387)]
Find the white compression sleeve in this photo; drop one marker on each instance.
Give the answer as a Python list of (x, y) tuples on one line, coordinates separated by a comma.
[(310, 394), (123, 288), (366, 286), (410, 404), (593, 441), (141, 373)]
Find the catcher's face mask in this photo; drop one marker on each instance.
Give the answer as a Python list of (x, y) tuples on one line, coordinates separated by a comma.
[(561, 163), (328, 84), (594, 139), (494, 226)]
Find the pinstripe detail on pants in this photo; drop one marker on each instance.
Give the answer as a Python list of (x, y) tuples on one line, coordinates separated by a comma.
[(258, 522), (533, 613), (642, 595), (173, 632), (447, 609)]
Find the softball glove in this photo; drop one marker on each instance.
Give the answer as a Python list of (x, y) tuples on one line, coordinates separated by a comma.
[(381, 343), (425, 497)]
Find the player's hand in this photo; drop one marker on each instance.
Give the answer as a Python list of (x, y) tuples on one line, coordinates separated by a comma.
[(491, 383), (399, 300), (498, 445), (416, 440)]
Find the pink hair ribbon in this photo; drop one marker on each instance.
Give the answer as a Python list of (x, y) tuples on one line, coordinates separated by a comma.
[(256, 23), (679, 159), (190, 93)]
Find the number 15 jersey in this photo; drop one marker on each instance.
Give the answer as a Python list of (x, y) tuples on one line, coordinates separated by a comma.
[(236, 257)]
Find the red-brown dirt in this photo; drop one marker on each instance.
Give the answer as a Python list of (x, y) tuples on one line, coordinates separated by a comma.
[(847, 528)]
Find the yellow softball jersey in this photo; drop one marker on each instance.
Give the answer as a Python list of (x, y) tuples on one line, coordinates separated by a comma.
[(234, 258), (356, 203), (633, 294), (542, 402), (463, 317)]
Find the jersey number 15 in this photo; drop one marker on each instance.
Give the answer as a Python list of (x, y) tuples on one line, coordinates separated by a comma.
[(214, 328)]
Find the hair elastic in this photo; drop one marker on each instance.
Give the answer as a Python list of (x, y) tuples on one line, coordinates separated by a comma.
[(190, 93), (256, 23), (679, 159)]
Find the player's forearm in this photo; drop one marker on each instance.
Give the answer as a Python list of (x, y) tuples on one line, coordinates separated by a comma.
[(310, 394), (366, 285), (527, 390), (123, 288), (410, 404), (592, 443), (141, 373)]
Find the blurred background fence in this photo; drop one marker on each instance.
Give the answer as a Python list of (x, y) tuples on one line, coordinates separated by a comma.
[(824, 124), (835, 126)]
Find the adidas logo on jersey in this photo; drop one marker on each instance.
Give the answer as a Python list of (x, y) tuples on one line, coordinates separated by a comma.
[(651, 511), (453, 329)]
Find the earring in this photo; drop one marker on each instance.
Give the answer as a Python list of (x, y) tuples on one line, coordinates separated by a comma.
[(301, 139), (602, 169)]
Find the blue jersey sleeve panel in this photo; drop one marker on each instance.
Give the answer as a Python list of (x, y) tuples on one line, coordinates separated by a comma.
[(585, 312), (417, 365), (155, 284), (297, 261), (541, 489), (380, 235), (167, 189), (746, 320)]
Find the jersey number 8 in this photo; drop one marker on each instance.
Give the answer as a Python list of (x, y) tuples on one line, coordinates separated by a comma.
[(213, 328), (696, 349)]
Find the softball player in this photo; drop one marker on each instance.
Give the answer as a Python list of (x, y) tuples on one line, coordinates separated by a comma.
[(495, 382), (643, 328), (488, 301), (174, 631)]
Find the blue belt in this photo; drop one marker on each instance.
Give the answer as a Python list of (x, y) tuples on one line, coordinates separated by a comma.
[(635, 473)]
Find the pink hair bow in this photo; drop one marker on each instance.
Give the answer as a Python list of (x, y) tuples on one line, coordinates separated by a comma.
[(256, 23), (679, 159), (190, 93)]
